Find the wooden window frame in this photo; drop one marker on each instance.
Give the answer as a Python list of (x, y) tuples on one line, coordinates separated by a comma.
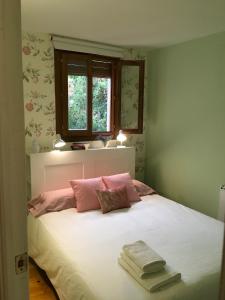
[(61, 90)]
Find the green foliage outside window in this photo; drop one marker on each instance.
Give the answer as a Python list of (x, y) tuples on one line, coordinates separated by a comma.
[(77, 110), (99, 108), (77, 102)]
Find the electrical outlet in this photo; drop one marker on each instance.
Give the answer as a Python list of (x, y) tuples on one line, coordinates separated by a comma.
[(21, 263)]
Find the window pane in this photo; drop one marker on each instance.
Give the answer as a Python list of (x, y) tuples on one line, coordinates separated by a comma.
[(129, 96), (77, 102), (101, 104)]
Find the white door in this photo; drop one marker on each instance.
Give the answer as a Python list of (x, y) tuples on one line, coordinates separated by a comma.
[(13, 243)]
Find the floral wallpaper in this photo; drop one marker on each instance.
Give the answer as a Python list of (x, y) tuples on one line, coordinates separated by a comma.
[(39, 96), (39, 90)]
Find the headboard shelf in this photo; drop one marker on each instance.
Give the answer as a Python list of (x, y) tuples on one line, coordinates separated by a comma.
[(53, 170)]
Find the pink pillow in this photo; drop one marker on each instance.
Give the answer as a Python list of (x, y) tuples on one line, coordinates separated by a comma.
[(85, 193), (116, 181), (52, 201), (142, 189), (113, 199)]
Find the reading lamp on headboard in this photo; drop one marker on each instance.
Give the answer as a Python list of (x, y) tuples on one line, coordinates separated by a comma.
[(58, 142), (121, 137)]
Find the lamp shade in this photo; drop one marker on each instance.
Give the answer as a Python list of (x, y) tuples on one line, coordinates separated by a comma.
[(58, 142), (121, 137)]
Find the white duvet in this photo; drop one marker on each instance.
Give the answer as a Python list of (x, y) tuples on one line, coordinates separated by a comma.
[(79, 251)]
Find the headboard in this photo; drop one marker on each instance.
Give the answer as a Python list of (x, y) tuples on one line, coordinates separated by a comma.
[(53, 170)]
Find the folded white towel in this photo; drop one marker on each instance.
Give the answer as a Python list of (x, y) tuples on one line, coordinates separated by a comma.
[(143, 256), (155, 281), (139, 272)]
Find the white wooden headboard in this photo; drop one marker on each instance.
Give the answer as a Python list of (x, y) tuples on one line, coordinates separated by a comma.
[(53, 170)]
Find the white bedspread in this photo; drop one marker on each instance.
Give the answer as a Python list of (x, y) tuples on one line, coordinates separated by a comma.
[(79, 251)]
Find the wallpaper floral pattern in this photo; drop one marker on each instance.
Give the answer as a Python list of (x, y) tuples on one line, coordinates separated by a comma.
[(39, 96), (39, 90)]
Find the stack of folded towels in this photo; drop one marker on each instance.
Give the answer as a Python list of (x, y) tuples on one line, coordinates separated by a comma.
[(146, 266)]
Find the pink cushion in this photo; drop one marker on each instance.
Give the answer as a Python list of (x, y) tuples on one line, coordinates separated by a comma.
[(142, 189), (52, 201), (116, 181), (113, 199), (85, 193)]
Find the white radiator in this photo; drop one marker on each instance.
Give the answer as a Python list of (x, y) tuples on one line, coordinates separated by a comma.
[(221, 211)]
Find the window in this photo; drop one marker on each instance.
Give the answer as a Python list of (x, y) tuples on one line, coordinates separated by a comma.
[(85, 95)]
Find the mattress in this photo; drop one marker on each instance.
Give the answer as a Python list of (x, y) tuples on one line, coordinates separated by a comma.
[(79, 251)]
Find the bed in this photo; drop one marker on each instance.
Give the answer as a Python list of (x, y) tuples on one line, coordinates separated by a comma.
[(79, 251)]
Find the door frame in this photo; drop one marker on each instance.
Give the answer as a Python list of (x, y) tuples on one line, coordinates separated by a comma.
[(3, 290), (13, 240)]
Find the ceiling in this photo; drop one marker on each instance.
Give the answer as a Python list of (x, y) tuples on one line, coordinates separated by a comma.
[(140, 23)]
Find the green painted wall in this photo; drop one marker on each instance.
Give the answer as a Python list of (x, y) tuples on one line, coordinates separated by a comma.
[(186, 122)]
